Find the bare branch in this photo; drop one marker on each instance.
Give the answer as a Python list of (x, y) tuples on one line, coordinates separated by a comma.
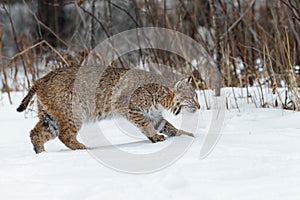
[(44, 26), (239, 19), (295, 11), (16, 43)]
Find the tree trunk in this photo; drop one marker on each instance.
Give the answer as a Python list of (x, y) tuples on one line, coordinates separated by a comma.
[(217, 49), (50, 13)]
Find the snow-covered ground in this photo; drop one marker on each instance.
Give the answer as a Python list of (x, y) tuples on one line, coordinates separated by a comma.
[(257, 157)]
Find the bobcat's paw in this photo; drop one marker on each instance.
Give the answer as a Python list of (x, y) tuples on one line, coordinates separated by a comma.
[(76, 146), (157, 138), (38, 149)]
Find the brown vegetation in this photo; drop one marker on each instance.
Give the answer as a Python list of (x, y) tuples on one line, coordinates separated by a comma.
[(253, 42)]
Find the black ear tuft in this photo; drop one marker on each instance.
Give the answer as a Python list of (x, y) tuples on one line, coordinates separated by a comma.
[(190, 79), (177, 110)]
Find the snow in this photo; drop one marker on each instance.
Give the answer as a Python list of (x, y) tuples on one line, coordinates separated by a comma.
[(257, 157)]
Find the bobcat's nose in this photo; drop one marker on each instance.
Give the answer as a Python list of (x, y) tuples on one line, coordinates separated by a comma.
[(194, 109)]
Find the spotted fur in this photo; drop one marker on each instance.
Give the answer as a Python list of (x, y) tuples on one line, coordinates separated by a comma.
[(134, 94)]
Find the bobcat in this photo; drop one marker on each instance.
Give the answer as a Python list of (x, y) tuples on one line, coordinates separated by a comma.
[(134, 94)]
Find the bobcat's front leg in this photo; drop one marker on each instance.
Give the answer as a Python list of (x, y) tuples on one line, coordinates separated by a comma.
[(150, 132), (170, 130), (146, 127)]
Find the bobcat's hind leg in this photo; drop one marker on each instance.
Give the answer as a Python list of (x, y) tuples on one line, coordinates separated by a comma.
[(170, 130), (68, 131), (39, 135)]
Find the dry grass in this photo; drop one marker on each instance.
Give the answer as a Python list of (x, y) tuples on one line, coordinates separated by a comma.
[(237, 33)]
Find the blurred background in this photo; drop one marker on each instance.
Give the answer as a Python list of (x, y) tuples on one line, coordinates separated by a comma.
[(254, 43)]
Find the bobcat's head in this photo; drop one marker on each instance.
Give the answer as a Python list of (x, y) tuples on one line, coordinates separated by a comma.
[(185, 97)]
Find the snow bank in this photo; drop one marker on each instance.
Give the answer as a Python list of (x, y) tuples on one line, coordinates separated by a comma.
[(257, 157)]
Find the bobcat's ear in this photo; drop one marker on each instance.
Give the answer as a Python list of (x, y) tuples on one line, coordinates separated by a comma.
[(189, 80)]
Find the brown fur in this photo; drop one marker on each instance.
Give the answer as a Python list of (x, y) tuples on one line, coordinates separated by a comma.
[(134, 94)]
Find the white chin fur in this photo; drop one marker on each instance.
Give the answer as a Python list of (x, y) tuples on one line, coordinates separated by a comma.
[(188, 112)]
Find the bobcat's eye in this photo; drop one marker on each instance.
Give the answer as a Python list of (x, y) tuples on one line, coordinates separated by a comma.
[(185, 102)]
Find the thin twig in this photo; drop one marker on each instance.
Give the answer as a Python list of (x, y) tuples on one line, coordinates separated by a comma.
[(105, 31), (293, 9), (16, 43), (5, 83), (239, 19), (38, 44), (45, 26), (125, 11)]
